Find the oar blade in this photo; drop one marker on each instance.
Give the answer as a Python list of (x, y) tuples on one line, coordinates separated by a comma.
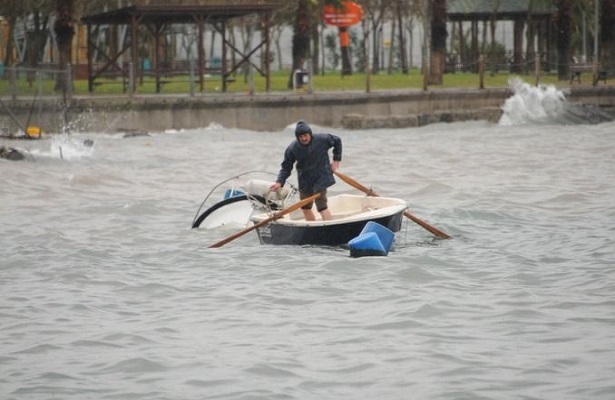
[(435, 231), (352, 182)]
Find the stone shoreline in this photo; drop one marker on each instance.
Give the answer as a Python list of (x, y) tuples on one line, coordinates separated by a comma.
[(275, 111), (359, 121)]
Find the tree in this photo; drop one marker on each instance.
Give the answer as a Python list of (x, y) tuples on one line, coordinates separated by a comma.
[(563, 26), (64, 31), (372, 24), (399, 10), (301, 38), (282, 18), (36, 38), (607, 34), (34, 16), (303, 32), (438, 41), (12, 10)]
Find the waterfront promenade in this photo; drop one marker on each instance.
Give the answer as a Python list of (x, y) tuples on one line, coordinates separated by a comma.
[(274, 111)]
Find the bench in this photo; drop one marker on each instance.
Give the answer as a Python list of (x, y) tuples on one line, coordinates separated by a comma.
[(182, 68), (576, 69), (111, 77)]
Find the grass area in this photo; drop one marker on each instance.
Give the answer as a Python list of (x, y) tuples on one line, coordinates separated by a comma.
[(331, 81)]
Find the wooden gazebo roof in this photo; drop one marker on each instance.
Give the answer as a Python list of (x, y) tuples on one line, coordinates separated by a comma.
[(179, 14), (480, 10), (519, 11), (216, 13)]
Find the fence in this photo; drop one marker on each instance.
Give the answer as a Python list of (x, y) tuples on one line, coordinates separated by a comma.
[(182, 77), (35, 93), (17, 81)]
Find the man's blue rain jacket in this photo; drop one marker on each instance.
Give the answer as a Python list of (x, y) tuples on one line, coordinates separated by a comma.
[(313, 164)]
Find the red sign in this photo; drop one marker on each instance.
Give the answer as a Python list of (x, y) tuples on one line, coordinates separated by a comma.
[(349, 13)]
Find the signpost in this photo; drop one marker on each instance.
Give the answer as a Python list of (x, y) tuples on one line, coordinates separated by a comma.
[(346, 14)]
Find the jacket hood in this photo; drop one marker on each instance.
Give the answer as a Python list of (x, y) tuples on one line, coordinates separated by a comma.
[(301, 128)]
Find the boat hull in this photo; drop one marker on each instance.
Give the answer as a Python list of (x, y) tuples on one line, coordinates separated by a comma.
[(322, 235)]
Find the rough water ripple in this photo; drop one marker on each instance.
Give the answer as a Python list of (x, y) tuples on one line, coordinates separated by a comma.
[(106, 292)]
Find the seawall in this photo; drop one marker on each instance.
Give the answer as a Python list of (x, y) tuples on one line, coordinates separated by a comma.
[(274, 111)]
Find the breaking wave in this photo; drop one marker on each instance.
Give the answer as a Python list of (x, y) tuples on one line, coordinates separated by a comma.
[(547, 105)]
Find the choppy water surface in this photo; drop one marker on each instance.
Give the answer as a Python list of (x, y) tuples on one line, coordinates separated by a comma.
[(106, 292)]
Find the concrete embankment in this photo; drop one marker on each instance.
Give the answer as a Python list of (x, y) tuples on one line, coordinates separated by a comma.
[(274, 111)]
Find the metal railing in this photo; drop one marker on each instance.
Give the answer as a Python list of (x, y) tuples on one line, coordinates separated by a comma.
[(46, 80)]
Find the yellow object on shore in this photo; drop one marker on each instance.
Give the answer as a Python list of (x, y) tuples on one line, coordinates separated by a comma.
[(34, 131)]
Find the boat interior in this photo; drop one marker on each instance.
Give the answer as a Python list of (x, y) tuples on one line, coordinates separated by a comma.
[(347, 207)]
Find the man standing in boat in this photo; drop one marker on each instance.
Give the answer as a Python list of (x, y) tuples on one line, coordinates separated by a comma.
[(314, 169)]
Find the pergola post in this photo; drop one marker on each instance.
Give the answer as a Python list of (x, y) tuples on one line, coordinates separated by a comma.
[(201, 52), (157, 30), (90, 54), (266, 33), (224, 66), (134, 55)]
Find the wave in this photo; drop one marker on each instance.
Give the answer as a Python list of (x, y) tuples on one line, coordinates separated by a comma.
[(547, 105)]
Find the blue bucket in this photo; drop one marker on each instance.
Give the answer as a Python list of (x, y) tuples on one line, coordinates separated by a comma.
[(366, 244), (385, 234), (232, 193)]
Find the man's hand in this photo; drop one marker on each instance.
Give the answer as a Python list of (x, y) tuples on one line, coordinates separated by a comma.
[(275, 187), (335, 165)]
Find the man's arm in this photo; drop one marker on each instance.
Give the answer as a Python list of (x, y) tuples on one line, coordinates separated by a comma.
[(336, 143), (285, 170)]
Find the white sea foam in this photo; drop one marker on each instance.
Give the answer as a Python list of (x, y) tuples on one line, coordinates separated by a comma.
[(63, 146), (533, 104)]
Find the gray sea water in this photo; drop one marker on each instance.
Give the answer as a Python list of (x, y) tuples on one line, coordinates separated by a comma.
[(107, 293)]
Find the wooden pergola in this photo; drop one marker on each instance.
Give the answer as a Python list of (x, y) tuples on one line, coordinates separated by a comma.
[(157, 18), (490, 11)]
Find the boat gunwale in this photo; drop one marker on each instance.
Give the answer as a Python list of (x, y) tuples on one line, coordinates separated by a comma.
[(398, 206)]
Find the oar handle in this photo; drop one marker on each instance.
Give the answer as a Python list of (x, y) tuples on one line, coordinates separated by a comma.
[(275, 216), (356, 184)]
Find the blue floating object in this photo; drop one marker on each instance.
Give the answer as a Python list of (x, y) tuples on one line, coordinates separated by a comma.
[(386, 235), (232, 193), (374, 240), (366, 244)]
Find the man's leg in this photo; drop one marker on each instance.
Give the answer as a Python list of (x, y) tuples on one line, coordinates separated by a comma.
[(322, 206), (326, 214), (308, 215)]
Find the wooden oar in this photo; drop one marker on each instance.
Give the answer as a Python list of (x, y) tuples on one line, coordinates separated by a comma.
[(407, 213), (275, 216)]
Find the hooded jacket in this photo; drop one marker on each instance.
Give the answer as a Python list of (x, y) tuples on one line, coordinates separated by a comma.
[(314, 172)]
